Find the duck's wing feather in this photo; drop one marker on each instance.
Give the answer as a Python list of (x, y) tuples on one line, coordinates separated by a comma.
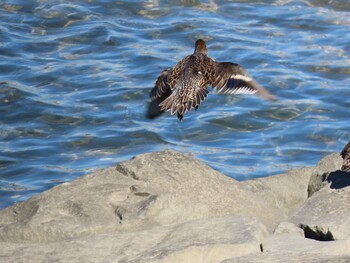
[(167, 78), (161, 86), (154, 110), (159, 93), (231, 78)]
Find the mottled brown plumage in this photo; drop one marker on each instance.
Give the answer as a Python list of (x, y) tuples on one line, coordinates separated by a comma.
[(345, 154), (185, 86)]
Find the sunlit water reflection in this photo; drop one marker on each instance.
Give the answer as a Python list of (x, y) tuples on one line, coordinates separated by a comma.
[(75, 78)]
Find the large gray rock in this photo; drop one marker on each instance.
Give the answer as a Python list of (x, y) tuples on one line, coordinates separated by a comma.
[(169, 207), (326, 215), (324, 173), (150, 190), (319, 230), (194, 241), (282, 248)]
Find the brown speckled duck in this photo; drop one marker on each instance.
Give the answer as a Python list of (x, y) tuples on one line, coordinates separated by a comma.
[(345, 154), (185, 86)]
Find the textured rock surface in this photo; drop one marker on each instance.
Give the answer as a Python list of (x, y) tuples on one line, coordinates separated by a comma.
[(150, 190), (282, 248), (168, 207), (324, 173), (326, 215), (193, 241)]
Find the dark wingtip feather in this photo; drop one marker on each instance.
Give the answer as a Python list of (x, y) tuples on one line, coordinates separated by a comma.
[(154, 109), (154, 93), (161, 85)]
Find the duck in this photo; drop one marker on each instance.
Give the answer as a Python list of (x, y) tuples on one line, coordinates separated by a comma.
[(345, 154), (186, 85)]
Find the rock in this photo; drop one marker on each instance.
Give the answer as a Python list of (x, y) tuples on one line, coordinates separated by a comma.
[(80, 208), (325, 216), (289, 228), (193, 241), (337, 180), (150, 190), (327, 165), (277, 196), (281, 248), (169, 207)]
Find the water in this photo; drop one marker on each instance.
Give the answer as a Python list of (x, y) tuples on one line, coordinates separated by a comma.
[(75, 78)]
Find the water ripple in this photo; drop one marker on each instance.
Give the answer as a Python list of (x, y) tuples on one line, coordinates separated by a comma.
[(75, 79)]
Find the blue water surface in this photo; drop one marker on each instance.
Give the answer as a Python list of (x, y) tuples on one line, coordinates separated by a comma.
[(75, 78)]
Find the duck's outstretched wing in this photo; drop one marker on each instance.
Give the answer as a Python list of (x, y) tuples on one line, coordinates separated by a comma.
[(161, 86), (159, 93), (231, 78), (345, 154)]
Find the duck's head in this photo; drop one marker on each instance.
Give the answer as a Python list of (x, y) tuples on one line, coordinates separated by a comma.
[(200, 47)]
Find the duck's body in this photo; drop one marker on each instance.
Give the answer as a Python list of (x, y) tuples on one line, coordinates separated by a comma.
[(185, 86), (345, 154)]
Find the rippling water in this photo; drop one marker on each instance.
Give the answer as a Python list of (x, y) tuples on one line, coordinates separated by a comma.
[(75, 78)]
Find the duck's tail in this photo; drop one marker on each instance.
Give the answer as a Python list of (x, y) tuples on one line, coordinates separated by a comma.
[(179, 103)]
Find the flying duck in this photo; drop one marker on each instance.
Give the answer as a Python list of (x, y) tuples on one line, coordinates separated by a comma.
[(185, 86)]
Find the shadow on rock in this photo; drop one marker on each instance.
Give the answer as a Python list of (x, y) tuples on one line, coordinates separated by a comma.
[(336, 179)]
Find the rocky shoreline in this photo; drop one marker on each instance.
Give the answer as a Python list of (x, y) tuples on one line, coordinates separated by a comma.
[(170, 207)]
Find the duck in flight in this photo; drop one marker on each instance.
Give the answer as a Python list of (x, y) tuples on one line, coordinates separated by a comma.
[(185, 86)]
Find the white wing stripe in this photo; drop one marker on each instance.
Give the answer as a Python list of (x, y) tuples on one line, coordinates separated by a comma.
[(241, 77)]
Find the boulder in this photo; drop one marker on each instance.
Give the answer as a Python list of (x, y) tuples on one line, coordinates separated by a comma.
[(325, 216), (281, 248), (170, 207), (152, 189), (193, 241)]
